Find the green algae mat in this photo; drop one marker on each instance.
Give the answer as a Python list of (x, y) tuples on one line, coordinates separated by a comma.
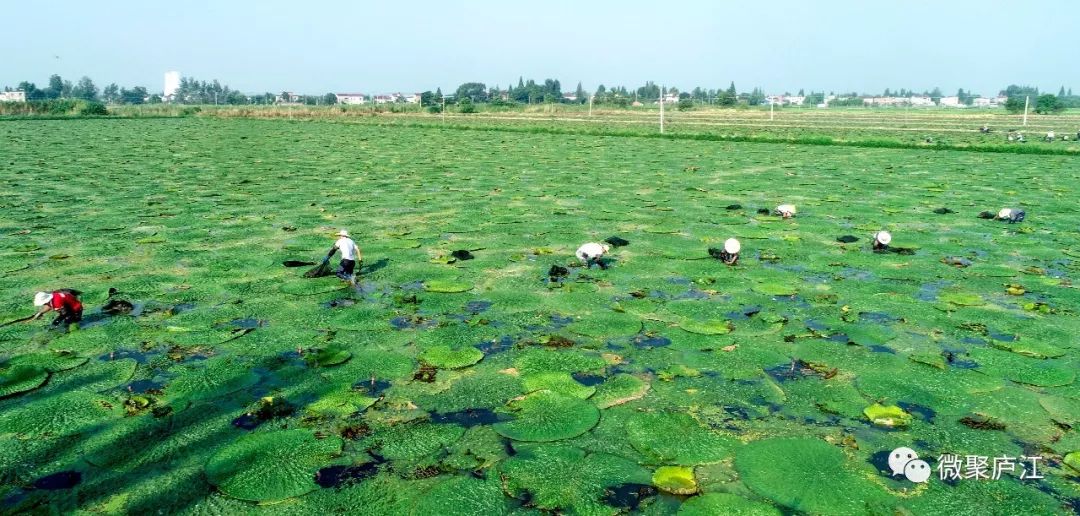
[(464, 374)]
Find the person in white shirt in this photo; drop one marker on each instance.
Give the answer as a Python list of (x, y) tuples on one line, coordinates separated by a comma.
[(786, 210), (881, 241), (1050, 136), (350, 255), (1012, 215), (591, 253), (730, 254)]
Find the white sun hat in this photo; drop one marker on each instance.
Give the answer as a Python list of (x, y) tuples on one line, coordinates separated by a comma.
[(41, 298), (343, 233), (605, 247), (1005, 213), (883, 237), (786, 208), (732, 246)]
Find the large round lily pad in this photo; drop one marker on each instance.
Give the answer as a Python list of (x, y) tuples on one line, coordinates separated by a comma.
[(271, 466), (568, 479), (218, 377), (21, 378), (560, 383), (807, 475), (677, 438), (711, 504), (619, 389), (447, 287), (444, 357), (547, 416), (1031, 371), (57, 415), (415, 440), (464, 496)]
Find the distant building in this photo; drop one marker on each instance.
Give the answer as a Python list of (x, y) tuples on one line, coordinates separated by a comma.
[(921, 101), (172, 84), (951, 102), (288, 97), (13, 96), (794, 100), (413, 98), (351, 98), (569, 97)]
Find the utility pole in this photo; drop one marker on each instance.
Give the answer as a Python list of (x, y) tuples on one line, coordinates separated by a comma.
[(771, 104), (1027, 99), (443, 110), (661, 110), (590, 105)]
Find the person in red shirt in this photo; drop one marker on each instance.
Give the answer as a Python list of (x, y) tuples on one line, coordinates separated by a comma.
[(65, 301)]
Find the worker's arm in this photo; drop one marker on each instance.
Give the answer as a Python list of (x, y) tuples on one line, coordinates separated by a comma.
[(331, 253), (41, 312)]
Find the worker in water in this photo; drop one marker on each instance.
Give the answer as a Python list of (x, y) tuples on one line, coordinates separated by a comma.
[(1050, 136), (64, 301), (350, 256), (786, 210), (985, 129), (1012, 215), (881, 241), (592, 253), (730, 254)]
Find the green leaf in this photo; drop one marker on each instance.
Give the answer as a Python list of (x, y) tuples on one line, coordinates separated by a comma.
[(676, 437), (445, 358), (547, 416), (568, 479), (271, 466)]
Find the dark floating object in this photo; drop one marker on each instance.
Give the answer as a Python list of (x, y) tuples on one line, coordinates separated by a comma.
[(469, 418), (61, 480), (715, 253), (763, 211), (629, 496), (848, 239), (117, 306), (319, 271), (558, 271), (733, 207), (981, 422), (557, 341), (296, 263), (986, 215), (426, 374), (338, 476), (943, 211), (616, 241), (462, 254), (956, 261), (267, 410)]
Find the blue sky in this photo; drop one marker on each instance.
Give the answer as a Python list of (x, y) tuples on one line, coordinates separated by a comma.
[(375, 47)]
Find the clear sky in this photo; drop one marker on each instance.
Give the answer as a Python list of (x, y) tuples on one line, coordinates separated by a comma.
[(376, 47)]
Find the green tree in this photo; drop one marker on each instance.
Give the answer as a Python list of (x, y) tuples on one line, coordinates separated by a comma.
[(465, 105), (1049, 103), (136, 95), (85, 90), (580, 94), (111, 93), (1014, 104), (474, 91), (56, 87), (329, 99), (936, 95), (31, 90), (154, 99)]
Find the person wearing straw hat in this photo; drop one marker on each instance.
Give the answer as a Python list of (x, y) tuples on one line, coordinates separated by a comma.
[(350, 255), (1012, 215), (881, 241), (786, 210), (591, 253), (730, 253), (64, 301)]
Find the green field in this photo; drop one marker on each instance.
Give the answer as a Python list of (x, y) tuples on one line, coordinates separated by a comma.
[(669, 383)]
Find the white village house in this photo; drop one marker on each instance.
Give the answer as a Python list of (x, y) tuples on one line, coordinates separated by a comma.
[(13, 96), (351, 98), (951, 102)]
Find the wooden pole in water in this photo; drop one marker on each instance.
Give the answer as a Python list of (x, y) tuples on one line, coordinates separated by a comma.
[(1027, 99), (661, 110)]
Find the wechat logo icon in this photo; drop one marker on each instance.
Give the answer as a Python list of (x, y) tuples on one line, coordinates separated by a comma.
[(904, 461)]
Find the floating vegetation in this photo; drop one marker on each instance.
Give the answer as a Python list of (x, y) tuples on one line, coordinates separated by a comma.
[(505, 377)]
